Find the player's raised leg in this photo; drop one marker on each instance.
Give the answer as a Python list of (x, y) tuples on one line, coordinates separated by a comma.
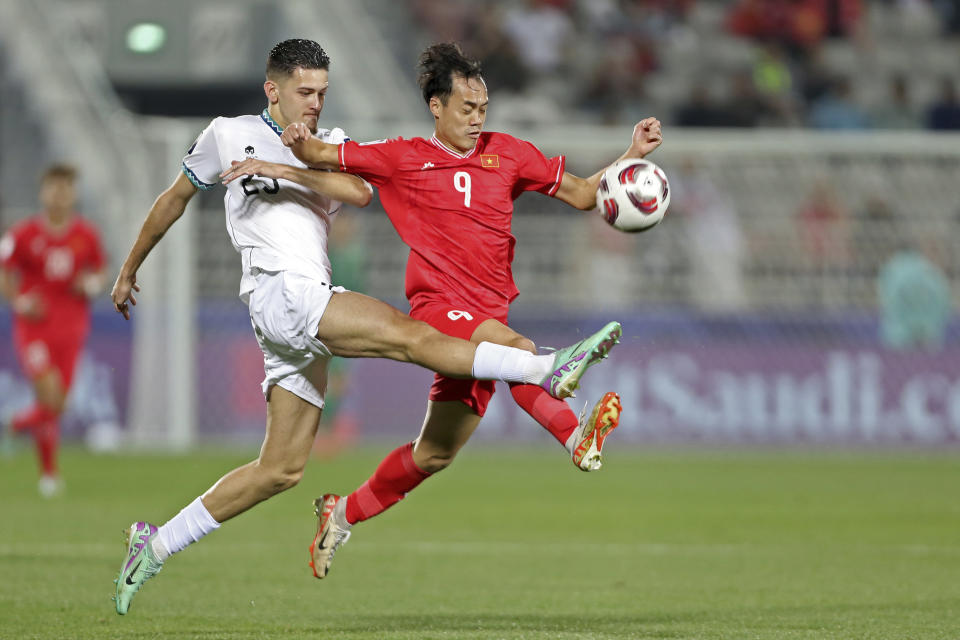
[(357, 326), (291, 427), (446, 428)]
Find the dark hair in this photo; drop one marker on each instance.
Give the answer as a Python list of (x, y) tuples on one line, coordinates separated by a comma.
[(59, 171), (297, 52), (439, 63)]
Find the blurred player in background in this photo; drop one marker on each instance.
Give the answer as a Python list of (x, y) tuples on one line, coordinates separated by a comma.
[(52, 265), (300, 319), (451, 200), (348, 260)]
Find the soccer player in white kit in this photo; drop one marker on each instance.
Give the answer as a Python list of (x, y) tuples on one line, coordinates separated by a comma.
[(299, 317)]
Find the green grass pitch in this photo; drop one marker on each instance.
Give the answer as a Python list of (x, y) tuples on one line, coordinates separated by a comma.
[(659, 544)]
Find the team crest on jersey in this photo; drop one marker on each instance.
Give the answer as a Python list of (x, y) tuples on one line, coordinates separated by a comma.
[(249, 150), (490, 161)]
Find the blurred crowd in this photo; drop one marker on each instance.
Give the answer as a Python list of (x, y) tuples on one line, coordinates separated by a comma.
[(612, 59)]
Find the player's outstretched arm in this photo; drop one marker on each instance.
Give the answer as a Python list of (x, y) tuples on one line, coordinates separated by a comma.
[(344, 187), (166, 210), (26, 304), (311, 151), (582, 192)]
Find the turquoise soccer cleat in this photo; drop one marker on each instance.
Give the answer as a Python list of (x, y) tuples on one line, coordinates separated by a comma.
[(139, 566), (570, 363)]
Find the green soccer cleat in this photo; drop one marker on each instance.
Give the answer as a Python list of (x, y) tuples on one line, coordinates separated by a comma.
[(571, 363), (139, 566)]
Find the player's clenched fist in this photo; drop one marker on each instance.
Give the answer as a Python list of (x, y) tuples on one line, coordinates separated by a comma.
[(647, 136), (295, 133)]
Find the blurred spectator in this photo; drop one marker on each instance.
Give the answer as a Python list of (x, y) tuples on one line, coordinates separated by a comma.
[(945, 112), (897, 111), (616, 88), (876, 235), (502, 67), (447, 20), (816, 75), (714, 239), (759, 19), (823, 227), (700, 110), (949, 13), (839, 18), (837, 109), (915, 304), (797, 25), (541, 33), (773, 80), (745, 106), (348, 260)]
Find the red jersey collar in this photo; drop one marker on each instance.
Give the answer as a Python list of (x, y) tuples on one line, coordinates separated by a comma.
[(436, 142), (57, 232)]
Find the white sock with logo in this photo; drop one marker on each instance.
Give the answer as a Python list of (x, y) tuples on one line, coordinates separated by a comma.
[(497, 362), (192, 523)]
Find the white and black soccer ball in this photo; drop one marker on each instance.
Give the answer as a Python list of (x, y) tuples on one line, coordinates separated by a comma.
[(633, 195)]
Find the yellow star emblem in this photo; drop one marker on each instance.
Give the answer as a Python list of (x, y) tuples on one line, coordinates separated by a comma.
[(490, 160)]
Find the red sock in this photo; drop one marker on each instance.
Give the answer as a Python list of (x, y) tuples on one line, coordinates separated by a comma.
[(397, 475), (47, 437), (554, 415), (31, 417)]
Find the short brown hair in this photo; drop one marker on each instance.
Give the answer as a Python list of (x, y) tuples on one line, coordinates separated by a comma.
[(286, 56), (59, 171)]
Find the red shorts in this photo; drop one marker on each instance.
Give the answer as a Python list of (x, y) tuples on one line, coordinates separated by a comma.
[(460, 323), (39, 351)]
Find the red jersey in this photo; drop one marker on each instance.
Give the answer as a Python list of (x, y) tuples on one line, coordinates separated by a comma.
[(454, 210), (48, 262)]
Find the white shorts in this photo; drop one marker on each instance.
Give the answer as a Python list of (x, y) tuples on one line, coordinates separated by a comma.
[(285, 310)]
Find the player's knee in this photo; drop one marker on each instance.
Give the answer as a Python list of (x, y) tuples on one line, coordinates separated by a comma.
[(416, 337), (279, 480), (520, 342), (51, 397), (437, 461)]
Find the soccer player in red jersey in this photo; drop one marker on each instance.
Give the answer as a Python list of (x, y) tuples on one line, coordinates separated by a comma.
[(450, 198), (52, 264)]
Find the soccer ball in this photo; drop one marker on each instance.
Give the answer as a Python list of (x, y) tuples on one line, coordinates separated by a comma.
[(633, 195)]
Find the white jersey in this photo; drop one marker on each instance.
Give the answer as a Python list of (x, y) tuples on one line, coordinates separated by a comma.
[(275, 225)]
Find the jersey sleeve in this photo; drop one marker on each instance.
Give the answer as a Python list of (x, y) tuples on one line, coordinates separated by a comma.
[(536, 171), (334, 136), (202, 162), (374, 161)]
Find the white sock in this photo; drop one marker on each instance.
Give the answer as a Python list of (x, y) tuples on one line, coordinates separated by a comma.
[(192, 523), (497, 362), (340, 514)]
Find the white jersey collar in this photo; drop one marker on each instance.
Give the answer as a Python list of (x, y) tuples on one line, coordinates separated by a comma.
[(265, 116)]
